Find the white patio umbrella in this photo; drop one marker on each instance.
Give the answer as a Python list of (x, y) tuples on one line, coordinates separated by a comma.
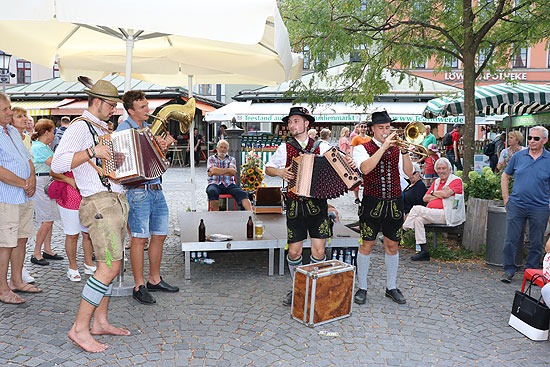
[(167, 42)]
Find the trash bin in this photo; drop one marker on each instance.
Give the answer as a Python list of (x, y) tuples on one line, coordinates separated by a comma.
[(496, 228)]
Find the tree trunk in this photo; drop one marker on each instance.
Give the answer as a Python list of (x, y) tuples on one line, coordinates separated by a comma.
[(469, 55), (469, 113)]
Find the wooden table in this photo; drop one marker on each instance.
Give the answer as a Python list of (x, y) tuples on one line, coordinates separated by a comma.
[(234, 224)]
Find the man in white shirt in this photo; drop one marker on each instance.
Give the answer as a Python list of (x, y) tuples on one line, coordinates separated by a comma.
[(303, 215), (379, 160), (103, 210)]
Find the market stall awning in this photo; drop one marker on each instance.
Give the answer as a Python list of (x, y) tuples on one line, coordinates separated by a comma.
[(338, 112), (40, 108), (514, 99)]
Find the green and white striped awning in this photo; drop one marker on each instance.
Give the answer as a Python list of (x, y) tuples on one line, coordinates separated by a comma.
[(495, 99)]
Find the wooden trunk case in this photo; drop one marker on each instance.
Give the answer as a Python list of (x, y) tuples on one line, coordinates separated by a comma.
[(323, 292)]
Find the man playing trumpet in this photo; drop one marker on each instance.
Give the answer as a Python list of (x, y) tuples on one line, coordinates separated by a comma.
[(380, 160)]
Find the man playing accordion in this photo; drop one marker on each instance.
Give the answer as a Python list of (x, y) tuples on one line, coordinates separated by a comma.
[(379, 160), (303, 215)]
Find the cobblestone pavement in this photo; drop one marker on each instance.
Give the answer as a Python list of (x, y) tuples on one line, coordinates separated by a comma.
[(230, 314)]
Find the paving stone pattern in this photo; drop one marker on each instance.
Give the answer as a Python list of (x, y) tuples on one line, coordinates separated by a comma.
[(230, 314)]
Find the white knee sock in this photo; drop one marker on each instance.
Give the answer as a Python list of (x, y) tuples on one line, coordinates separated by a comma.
[(363, 264), (293, 264), (392, 263)]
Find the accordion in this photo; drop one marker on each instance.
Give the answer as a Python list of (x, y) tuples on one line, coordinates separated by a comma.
[(143, 158), (322, 177)]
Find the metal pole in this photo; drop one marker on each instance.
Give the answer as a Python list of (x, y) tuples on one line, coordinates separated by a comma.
[(122, 287), (192, 148), (128, 68)]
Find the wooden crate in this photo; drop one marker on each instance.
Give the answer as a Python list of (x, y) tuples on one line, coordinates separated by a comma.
[(322, 292), (268, 200)]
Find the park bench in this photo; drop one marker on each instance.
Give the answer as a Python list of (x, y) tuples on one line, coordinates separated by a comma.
[(442, 228)]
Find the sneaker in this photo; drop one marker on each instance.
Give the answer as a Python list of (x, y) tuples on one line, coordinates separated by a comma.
[(287, 300), (27, 278), (507, 278)]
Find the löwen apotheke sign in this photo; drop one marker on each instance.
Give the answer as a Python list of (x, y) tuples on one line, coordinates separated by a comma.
[(500, 76), (352, 118)]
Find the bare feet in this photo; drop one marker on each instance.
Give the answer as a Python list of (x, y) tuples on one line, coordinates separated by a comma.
[(86, 341), (108, 329)]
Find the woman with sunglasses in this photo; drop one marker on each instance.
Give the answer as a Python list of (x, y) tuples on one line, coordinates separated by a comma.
[(529, 200)]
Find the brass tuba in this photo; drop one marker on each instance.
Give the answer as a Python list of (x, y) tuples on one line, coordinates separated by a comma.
[(184, 114)]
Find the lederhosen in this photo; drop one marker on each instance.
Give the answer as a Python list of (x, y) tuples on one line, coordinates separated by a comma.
[(382, 205), (304, 215)]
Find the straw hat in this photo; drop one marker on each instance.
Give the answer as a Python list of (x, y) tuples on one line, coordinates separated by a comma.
[(104, 90)]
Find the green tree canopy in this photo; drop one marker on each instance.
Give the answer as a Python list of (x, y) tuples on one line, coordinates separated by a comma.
[(397, 34)]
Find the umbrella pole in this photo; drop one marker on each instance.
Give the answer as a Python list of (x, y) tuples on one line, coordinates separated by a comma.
[(124, 287), (192, 148), (128, 68)]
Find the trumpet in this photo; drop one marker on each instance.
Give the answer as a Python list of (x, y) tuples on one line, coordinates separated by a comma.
[(414, 133)]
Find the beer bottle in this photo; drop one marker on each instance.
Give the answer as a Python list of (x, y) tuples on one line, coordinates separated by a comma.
[(250, 228), (202, 232)]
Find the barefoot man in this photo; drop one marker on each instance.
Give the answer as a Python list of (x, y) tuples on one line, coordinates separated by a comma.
[(104, 210)]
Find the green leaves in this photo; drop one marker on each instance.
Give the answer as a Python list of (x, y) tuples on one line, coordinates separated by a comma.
[(484, 186)]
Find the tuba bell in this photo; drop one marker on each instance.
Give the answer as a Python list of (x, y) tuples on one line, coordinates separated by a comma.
[(184, 114)]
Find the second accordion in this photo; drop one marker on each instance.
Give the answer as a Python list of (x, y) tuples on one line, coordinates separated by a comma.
[(143, 158), (322, 177)]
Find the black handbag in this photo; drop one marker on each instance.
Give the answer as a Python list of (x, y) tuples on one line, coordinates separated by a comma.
[(530, 316)]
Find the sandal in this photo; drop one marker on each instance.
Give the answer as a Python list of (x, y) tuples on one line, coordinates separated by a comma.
[(12, 298), (27, 288), (73, 275), (89, 270)]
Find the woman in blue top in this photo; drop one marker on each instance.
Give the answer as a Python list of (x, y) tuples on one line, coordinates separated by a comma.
[(45, 210)]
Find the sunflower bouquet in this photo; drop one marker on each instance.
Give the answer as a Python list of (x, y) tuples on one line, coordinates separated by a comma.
[(252, 174)]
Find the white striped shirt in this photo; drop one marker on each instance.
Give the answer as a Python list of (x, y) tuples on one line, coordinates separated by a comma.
[(77, 138), (15, 158)]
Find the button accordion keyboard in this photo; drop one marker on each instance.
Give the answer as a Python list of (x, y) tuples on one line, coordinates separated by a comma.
[(323, 177)]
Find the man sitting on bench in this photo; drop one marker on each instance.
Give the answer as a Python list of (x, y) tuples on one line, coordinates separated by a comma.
[(222, 169), (445, 206)]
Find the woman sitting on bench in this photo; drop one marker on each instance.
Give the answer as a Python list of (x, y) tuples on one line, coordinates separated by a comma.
[(445, 206)]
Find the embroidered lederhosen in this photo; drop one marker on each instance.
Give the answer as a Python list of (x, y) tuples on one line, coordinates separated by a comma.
[(382, 205), (304, 215)]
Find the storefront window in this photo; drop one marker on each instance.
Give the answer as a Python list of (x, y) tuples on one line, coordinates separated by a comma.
[(520, 59)]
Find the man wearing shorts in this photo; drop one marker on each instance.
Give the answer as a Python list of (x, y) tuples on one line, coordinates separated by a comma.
[(17, 185), (148, 215), (379, 161), (303, 215), (103, 210), (222, 169)]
